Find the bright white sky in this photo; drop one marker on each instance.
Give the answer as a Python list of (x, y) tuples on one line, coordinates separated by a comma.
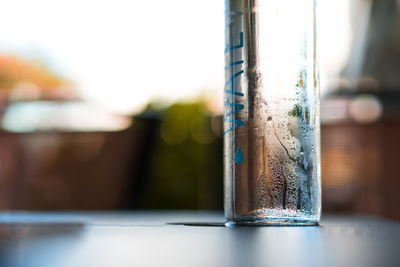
[(122, 53)]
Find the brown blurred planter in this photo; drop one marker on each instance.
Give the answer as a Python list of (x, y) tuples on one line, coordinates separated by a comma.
[(360, 168), (69, 170)]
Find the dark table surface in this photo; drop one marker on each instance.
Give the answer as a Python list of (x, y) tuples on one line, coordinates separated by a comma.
[(191, 239)]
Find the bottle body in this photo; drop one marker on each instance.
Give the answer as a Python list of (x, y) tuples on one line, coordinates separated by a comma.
[(271, 113)]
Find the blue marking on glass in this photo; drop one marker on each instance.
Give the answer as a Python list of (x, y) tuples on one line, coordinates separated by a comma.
[(234, 63), (239, 158), (230, 104), (236, 108), (230, 48), (230, 87), (231, 81), (235, 124)]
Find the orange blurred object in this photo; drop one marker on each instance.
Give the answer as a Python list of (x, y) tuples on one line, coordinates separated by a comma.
[(14, 70)]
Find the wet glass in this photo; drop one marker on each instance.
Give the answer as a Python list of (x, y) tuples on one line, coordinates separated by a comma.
[(271, 113)]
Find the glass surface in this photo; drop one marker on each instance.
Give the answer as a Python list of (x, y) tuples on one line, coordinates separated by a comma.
[(271, 113)]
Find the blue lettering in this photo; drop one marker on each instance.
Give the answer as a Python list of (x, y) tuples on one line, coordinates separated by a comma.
[(230, 88)]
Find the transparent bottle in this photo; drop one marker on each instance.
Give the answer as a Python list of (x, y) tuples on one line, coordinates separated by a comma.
[(271, 113)]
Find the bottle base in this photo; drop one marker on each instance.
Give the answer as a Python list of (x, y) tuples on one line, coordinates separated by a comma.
[(272, 221)]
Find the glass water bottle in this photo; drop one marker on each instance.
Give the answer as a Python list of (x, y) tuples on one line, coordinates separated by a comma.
[(271, 113)]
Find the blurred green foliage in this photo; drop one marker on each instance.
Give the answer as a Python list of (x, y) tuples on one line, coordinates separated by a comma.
[(186, 166)]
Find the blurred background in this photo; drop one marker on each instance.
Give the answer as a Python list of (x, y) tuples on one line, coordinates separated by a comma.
[(118, 105)]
